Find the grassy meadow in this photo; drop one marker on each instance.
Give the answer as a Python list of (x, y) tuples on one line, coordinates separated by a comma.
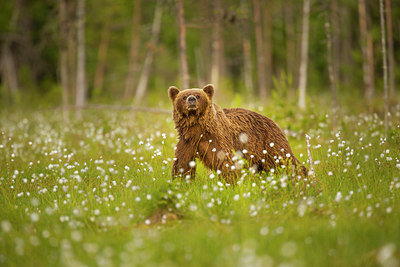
[(98, 192)]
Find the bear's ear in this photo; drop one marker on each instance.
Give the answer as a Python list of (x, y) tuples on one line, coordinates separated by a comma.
[(173, 92), (209, 90)]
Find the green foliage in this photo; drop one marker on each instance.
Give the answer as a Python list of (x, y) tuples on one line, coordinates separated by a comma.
[(35, 39), (281, 89)]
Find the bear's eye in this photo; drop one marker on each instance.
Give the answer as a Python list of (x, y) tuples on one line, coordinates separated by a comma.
[(197, 96), (184, 98)]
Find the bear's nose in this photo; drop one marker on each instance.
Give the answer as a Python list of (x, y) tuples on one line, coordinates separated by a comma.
[(191, 100)]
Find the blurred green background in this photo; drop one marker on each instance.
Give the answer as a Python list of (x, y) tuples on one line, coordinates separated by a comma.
[(118, 34)]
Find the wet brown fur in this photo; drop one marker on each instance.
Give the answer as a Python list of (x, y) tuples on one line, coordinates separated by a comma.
[(214, 135)]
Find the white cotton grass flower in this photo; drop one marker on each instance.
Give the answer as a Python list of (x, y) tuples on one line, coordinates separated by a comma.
[(35, 202), (338, 196), (193, 207), (192, 164), (386, 255), (6, 226), (76, 236), (302, 208), (221, 155), (243, 138), (264, 231), (289, 249), (34, 217)]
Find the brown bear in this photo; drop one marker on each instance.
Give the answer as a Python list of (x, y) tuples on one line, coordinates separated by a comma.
[(225, 139)]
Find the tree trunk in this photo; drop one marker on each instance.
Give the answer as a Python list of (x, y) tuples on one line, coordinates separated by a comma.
[(63, 16), (199, 66), (98, 81), (335, 40), (370, 58), (182, 45), (291, 51), (331, 69), (9, 72), (80, 99), (8, 66), (304, 55), (267, 23), (390, 47), (216, 45), (246, 46), (248, 77), (144, 77), (262, 89), (134, 51), (345, 45), (385, 79), (71, 8), (366, 48)]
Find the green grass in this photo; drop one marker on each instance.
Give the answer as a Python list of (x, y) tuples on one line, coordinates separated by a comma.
[(99, 192)]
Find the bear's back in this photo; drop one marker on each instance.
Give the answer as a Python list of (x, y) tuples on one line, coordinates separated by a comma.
[(247, 118), (260, 130)]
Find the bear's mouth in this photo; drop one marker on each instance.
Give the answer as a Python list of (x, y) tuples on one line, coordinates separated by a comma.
[(191, 110), (191, 107)]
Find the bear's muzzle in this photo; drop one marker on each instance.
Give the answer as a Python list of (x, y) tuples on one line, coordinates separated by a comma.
[(191, 103)]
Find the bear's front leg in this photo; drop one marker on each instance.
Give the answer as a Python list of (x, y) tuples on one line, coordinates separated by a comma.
[(184, 160)]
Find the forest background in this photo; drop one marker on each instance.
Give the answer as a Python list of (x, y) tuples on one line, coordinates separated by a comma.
[(74, 53)]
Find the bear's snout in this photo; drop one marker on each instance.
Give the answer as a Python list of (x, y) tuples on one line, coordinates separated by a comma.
[(191, 100)]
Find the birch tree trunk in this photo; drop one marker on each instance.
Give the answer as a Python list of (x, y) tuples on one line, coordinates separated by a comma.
[(199, 66), (8, 66), (267, 41), (182, 45), (331, 69), (216, 45), (80, 100), (260, 51), (385, 78), (366, 48), (248, 77), (335, 39), (389, 27), (134, 51), (9, 72), (71, 9), (246, 46), (304, 55), (345, 44), (291, 51), (63, 16), (144, 77), (98, 81)]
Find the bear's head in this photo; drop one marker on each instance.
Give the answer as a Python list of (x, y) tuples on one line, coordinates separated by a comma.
[(191, 102)]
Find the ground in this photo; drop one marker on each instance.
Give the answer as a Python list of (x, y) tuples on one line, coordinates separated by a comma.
[(99, 192)]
